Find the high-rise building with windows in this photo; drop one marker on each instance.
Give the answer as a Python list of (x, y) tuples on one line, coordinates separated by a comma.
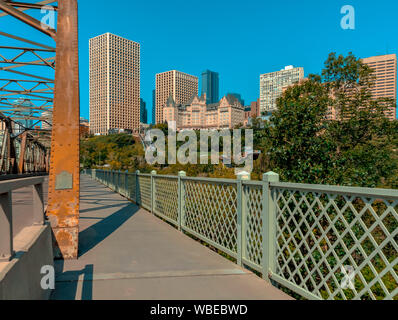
[(180, 86), (210, 86), (385, 70), (114, 84), (272, 86), (143, 111), (154, 106)]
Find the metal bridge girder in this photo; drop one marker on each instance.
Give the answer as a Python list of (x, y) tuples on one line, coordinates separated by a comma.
[(64, 181), (63, 192)]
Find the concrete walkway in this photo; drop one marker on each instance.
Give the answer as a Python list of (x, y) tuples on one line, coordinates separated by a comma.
[(127, 253)]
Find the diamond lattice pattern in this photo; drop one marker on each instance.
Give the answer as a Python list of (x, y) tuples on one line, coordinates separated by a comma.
[(166, 199), (253, 237), (211, 210), (144, 191), (320, 234)]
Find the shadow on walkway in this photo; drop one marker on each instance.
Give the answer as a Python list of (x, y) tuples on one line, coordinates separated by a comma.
[(80, 282), (95, 234), (73, 280)]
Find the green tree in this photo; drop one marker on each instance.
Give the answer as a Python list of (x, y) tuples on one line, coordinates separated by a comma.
[(356, 149), (297, 148)]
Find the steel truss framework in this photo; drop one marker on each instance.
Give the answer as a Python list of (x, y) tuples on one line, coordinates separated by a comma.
[(21, 153), (53, 101)]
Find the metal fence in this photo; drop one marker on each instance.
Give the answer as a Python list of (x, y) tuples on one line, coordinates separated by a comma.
[(322, 242)]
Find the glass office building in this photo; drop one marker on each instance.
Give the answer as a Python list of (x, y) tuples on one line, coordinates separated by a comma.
[(210, 86)]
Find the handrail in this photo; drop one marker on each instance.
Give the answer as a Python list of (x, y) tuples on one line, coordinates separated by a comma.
[(338, 189), (6, 218), (320, 241)]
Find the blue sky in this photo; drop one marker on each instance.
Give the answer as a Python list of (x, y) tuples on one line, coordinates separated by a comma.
[(238, 39)]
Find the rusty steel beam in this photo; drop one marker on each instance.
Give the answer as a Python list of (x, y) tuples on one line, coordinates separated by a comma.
[(21, 164), (25, 74), (41, 3), (10, 163), (9, 9), (63, 192), (27, 49), (29, 5), (11, 36)]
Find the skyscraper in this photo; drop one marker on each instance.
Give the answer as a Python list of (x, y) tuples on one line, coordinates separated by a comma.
[(114, 84), (385, 70), (154, 106), (210, 86), (272, 85), (180, 86), (143, 111)]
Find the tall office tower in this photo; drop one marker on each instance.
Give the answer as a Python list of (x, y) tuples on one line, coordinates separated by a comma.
[(210, 86), (153, 106), (143, 111), (385, 68), (114, 84), (272, 85), (180, 86)]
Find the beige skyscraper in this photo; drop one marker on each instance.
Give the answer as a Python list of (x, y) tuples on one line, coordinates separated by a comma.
[(385, 68), (272, 86), (181, 86), (114, 84)]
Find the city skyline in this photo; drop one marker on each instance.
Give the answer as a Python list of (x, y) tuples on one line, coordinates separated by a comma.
[(256, 50), (181, 86)]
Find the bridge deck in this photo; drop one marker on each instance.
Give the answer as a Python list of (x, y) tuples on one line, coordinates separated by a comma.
[(126, 253)]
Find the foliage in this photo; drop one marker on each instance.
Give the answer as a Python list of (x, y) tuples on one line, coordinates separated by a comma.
[(117, 151), (306, 147), (299, 142)]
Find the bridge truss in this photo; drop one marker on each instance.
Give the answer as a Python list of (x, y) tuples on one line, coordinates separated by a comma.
[(39, 84)]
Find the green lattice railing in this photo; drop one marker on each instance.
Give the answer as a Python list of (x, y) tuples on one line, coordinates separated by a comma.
[(322, 242)]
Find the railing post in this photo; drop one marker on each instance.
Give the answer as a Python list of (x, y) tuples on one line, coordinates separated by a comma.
[(180, 209), (38, 204), (153, 173), (126, 184), (241, 215), (269, 220), (137, 188), (6, 235), (118, 181)]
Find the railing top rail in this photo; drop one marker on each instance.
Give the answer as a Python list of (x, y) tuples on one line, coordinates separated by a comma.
[(165, 176), (212, 180), (352, 191), (146, 175), (10, 185), (252, 182)]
